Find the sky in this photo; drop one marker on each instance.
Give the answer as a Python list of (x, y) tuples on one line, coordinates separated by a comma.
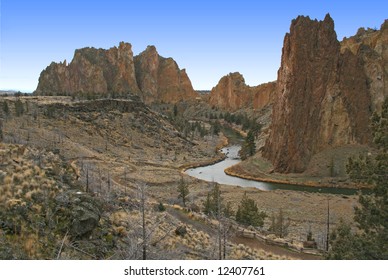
[(208, 38)]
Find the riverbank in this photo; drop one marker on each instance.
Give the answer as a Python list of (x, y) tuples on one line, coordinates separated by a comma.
[(223, 142), (260, 170)]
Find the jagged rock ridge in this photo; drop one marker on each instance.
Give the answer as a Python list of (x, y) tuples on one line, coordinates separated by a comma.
[(160, 79), (231, 93), (113, 71), (91, 71), (324, 95)]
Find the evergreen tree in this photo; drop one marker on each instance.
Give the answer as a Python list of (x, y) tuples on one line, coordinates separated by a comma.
[(371, 241), (248, 148), (183, 190), (19, 108), (1, 130), (5, 108), (228, 211), (207, 205), (248, 213), (216, 127), (213, 203)]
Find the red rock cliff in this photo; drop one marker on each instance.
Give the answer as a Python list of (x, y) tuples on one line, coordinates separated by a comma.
[(322, 97), (99, 71), (91, 71), (371, 46), (160, 79), (231, 93)]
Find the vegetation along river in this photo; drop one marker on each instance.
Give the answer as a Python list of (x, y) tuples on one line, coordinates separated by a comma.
[(215, 173)]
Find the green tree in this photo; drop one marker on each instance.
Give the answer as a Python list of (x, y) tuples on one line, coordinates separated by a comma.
[(5, 108), (207, 204), (161, 207), (1, 130), (19, 108), (248, 213), (213, 202), (345, 245), (183, 190), (228, 211), (248, 148), (371, 217), (216, 127)]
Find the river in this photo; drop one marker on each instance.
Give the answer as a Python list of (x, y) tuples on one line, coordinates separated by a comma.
[(215, 173)]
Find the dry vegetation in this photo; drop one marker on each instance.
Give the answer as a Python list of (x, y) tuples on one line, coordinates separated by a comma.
[(88, 157)]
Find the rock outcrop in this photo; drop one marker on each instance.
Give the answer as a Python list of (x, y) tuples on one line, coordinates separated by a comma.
[(160, 79), (371, 46), (95, 71), (231, 93), (324, 95), (263, 95), (111, 72)]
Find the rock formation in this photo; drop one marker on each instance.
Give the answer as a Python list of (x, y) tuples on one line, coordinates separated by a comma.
[(324, 93), (94, 71), (371, 46), (231, 93), (160, 79), (110, 72), (263, 95)]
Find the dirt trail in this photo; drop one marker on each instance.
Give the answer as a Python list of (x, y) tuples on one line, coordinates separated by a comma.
[(252, 243), (256, 244)]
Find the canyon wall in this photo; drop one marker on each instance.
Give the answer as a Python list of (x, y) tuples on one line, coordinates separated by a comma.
[(115, 71), (160, 79), (231, 93), (325, 93)]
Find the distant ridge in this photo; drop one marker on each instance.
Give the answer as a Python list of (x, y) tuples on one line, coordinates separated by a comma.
[(116, 72)]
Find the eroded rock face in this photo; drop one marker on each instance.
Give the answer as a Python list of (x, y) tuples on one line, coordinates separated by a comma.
[(91, 71), (322, 97), (113, 71), (160, 79), (371, 46), (263, 95), (231, 93)]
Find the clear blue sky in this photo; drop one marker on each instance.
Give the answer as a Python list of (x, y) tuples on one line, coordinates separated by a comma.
[(208, 38)]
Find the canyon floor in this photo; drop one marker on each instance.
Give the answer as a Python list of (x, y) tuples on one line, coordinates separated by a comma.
[(112, 146)]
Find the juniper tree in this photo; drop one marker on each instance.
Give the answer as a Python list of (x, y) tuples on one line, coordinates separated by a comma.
[(248, 213), (19, 108), (183, 190), (371, 217), (5, 108), (248, 148)]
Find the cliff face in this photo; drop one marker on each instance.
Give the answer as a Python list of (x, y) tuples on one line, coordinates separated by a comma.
[(160, 79), (371, 46), (99, 71), (322, 98), (231, 93), (263, 95), (91, 71)]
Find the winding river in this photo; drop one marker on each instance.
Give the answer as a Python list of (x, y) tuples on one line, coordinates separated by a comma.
[(215, 173)]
